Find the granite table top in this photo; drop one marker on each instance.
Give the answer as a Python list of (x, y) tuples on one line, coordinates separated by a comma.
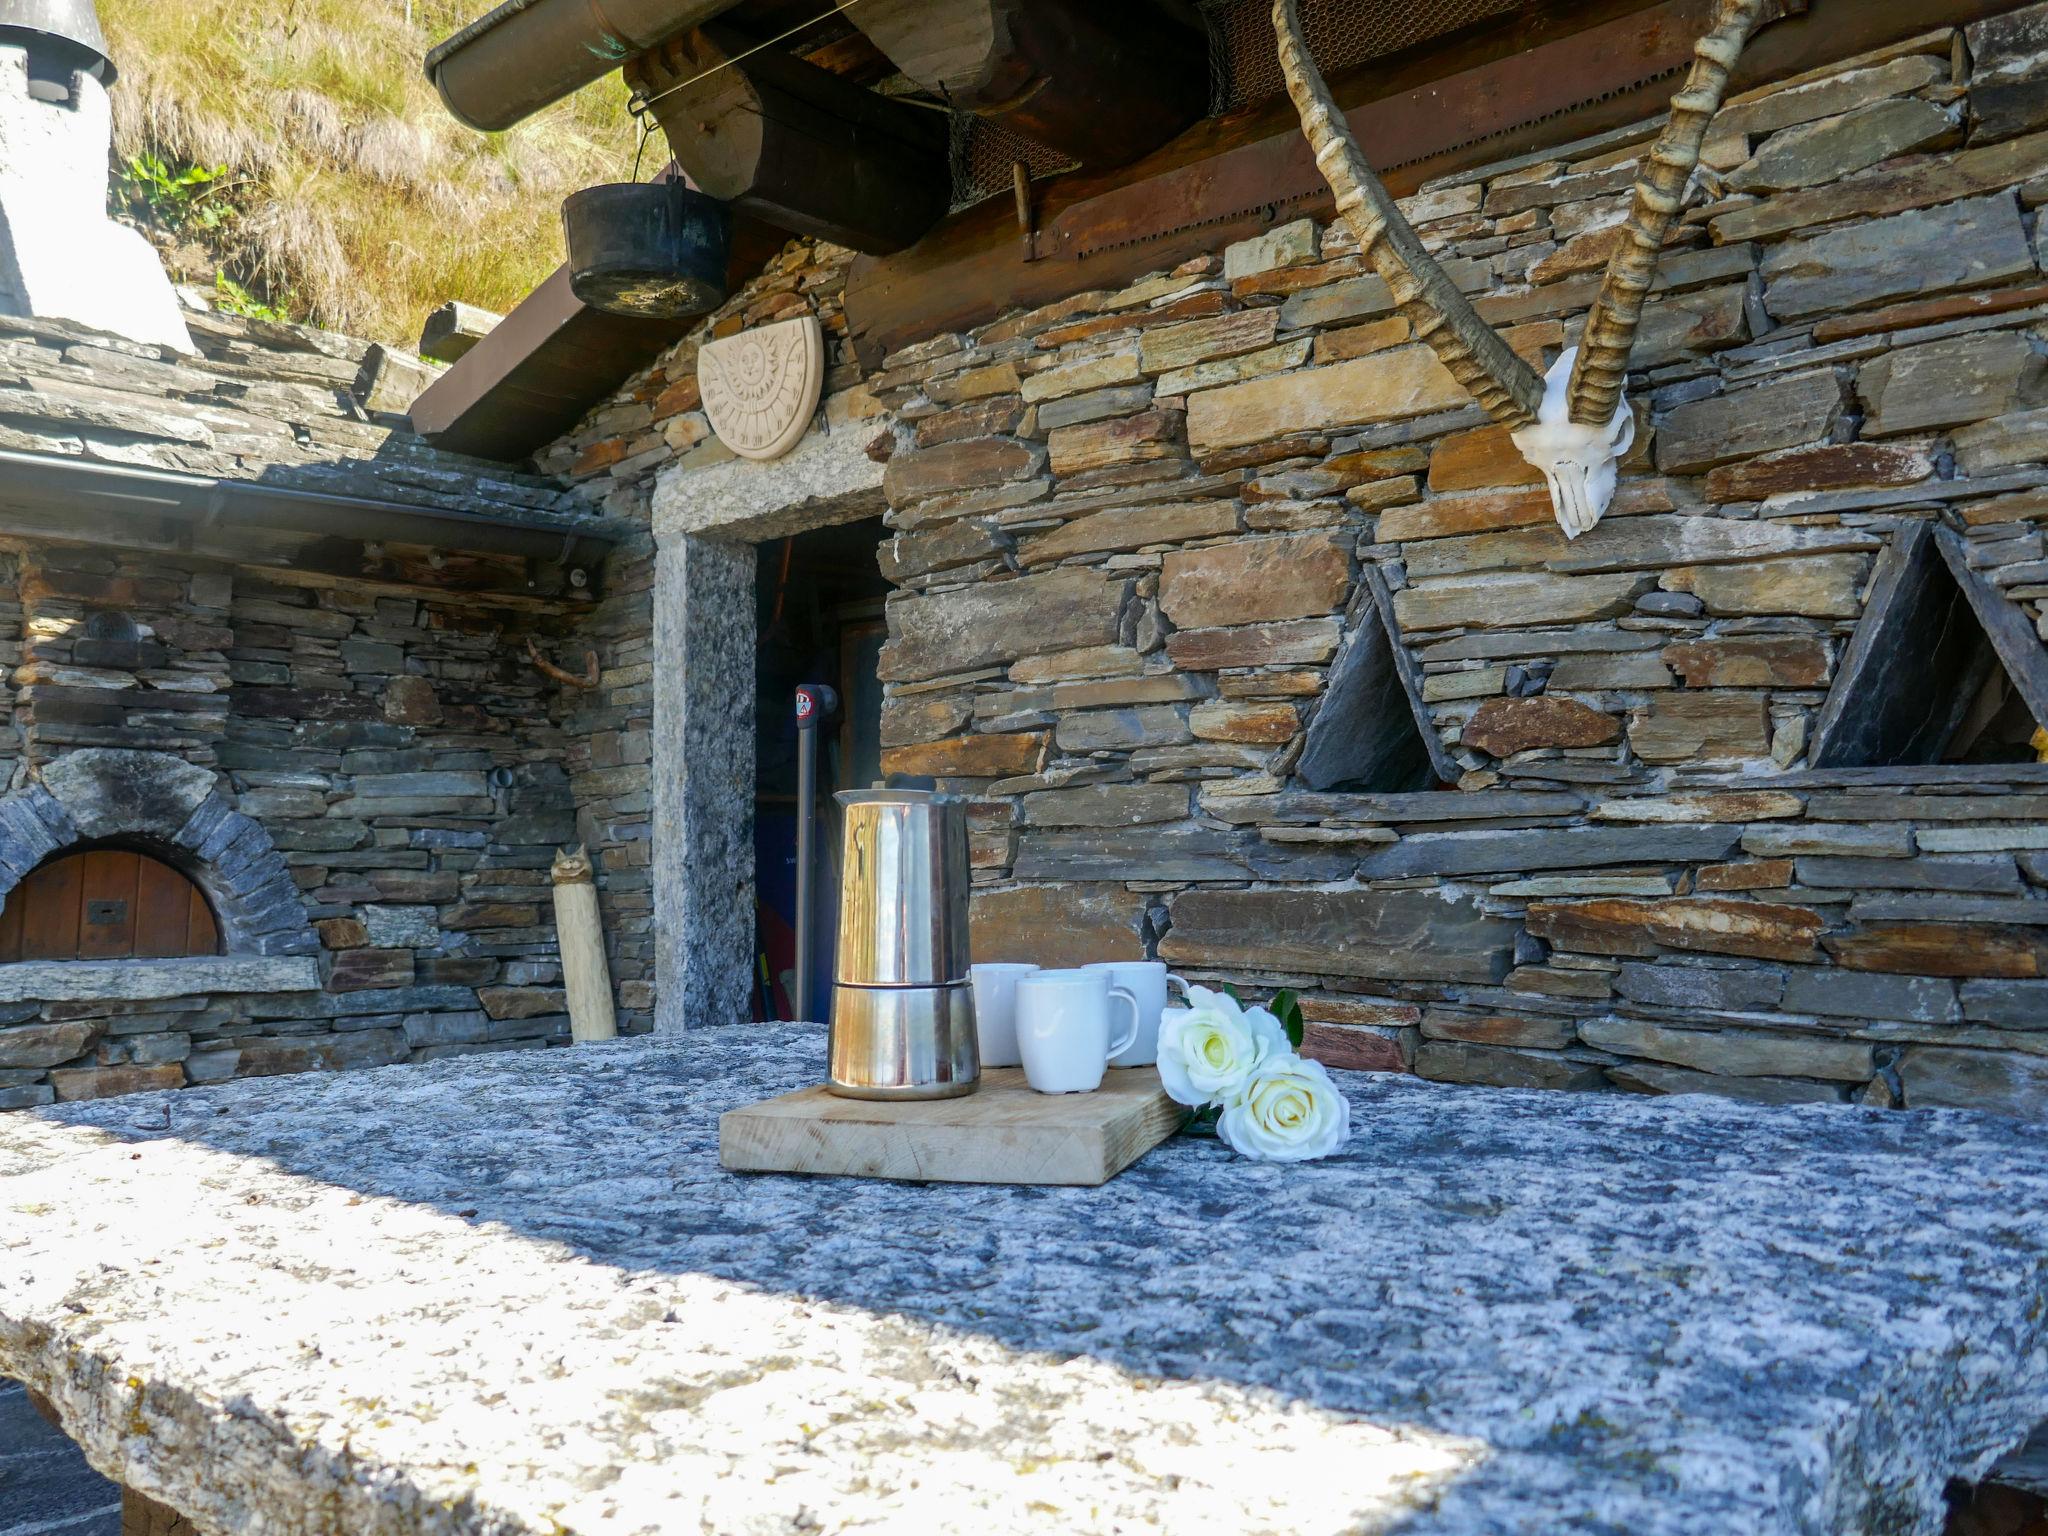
[(516, 1296)]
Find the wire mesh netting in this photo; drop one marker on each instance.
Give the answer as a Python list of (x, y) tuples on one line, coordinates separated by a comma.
[(1244, 70), (1244, 64), (984, 151)]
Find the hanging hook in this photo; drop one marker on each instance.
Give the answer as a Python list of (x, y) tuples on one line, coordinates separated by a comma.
[(641, 150)]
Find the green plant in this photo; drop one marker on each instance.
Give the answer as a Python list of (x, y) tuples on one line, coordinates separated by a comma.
[(231, 298), (355, 191), (179, 200)]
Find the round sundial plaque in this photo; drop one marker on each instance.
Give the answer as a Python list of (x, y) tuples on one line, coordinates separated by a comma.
[(761, 387)]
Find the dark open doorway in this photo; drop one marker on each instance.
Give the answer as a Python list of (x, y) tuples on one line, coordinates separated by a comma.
[(818, 606)]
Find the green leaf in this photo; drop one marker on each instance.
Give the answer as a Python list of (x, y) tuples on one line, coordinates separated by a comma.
[(1202, 1122), (1230, 991), (1286, 1008)]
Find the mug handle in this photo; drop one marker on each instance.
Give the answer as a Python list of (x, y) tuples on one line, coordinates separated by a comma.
[(1178, 981), (1129, 999)]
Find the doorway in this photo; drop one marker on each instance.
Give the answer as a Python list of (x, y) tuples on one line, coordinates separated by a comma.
[(818, 610)]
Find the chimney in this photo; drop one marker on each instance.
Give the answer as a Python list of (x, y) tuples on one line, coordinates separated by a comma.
[(61, 257)]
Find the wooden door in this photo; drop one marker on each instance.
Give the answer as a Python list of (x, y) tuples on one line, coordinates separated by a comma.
[(106, 904)]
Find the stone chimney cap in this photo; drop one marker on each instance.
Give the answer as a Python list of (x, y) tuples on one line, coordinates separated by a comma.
[(72, 22)]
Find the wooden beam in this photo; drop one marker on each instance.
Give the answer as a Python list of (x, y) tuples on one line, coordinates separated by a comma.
[(1102, 83), (454, 328), (1559, 72), (2020, 650), (1372, 731), (1910, 670), (795, 145)]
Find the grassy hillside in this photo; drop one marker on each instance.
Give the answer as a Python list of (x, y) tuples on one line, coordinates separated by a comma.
[(351, 198)]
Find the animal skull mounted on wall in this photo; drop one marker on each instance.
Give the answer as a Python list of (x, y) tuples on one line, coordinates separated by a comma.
[(1574, 424)]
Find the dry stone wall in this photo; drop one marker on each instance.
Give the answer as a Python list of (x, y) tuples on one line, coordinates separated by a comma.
[(1260, 650)]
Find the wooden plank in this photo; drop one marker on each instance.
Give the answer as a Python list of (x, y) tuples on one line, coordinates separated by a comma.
[(10, 925), (49, 918), (2010, 632), (1911, 669), (202, 932), (109, 875), (163, 910), (1004, 1133), (1372, 730)]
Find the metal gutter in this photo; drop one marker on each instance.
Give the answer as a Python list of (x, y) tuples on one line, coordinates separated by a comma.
[(68, 487)]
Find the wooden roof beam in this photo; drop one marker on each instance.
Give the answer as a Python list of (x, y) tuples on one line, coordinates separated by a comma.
[(795, 145), (1101, 83)]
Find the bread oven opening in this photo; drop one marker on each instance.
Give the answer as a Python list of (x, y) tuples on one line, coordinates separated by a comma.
[(107, 901)]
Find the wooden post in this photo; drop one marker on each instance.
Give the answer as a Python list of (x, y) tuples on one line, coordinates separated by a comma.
[(585, 977), (146, 1517)]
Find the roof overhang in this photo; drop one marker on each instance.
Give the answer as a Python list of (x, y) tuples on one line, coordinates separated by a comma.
[(84, 501)]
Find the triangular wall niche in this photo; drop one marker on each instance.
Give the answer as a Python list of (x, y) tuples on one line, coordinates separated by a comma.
[(1942, 667), (1372, 732)]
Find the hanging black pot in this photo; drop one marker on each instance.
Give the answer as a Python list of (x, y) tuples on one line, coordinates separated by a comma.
[(654, 249)]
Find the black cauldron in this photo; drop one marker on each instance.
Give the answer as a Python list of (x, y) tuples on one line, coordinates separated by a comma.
[(654, 249)]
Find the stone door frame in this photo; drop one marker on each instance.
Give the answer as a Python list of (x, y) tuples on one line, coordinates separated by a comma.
[(708, 524)]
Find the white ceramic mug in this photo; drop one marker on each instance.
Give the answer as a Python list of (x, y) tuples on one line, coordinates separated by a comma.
[(1063, 1030), (995, 1010), (1146, 980)]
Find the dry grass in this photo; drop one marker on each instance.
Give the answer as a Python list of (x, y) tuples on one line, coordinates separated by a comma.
[(364, 204)]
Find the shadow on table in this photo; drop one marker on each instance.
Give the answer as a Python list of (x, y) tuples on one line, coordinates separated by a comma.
[(1598, 1296)]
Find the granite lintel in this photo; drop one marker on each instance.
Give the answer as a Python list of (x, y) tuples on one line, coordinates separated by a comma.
[(73, 981), (826, 479)]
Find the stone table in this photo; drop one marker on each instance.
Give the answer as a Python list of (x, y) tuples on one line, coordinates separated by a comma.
[(515, 1295)]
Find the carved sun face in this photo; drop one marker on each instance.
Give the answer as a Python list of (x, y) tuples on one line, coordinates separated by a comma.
[(761, 387)]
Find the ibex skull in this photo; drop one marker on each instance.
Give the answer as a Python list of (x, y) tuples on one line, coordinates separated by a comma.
[(1575, 425)]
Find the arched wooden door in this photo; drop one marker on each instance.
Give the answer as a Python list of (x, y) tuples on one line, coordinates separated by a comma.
[(106, 904)]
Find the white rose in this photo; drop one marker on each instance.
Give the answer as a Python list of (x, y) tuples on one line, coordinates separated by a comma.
[(1288, 1112), (1209, 1050)]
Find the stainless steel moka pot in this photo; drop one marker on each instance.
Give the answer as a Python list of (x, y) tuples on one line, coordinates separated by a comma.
[(902, 1006)]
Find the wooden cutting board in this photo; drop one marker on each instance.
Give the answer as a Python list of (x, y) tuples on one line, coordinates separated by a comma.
[(1003, 1133)]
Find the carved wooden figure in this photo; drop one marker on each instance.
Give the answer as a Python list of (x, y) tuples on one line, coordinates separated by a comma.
[(1573, 423), (586, 977)]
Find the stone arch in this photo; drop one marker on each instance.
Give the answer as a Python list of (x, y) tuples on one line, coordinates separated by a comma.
[(176, 809)]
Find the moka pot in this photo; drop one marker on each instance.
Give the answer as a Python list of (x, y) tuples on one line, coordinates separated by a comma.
[(902, 1006)]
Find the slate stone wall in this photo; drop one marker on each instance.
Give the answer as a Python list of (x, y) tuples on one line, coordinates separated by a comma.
[(408, 764), (1140, 540)]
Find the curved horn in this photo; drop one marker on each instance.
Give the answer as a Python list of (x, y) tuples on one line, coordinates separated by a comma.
[(1602, 368), (1423, 292)]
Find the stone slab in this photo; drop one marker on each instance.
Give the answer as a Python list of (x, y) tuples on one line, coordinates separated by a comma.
[(1384, 935), (1407, 381), (435, 1289), (141, 980), (1962, 245)]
